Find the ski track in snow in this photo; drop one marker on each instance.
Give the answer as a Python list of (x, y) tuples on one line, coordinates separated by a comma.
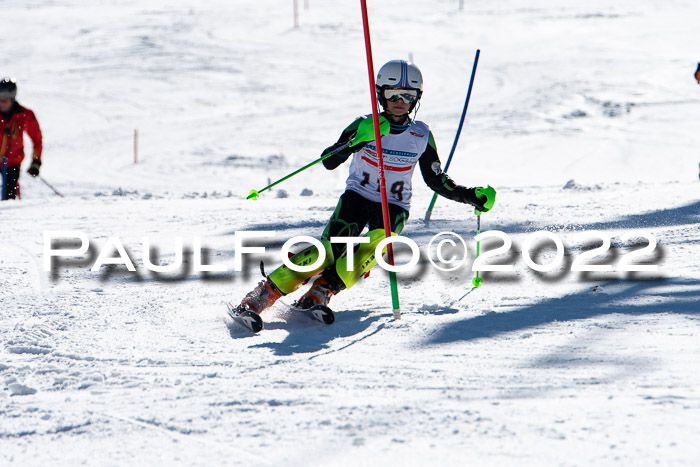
[(559, 368)]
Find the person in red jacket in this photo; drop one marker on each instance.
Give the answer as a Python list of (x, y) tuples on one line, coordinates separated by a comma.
[(14, 121)]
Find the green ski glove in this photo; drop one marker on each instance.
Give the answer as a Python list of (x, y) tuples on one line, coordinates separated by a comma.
[(365, 131), (490, 193)]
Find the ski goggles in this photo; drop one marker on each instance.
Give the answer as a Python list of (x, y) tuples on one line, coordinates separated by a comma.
[(408, 96)]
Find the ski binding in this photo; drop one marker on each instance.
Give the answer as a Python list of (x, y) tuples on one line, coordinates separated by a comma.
[(320, 313), (246, 318)]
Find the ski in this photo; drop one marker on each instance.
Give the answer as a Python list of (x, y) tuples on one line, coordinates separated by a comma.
[(320, 313), (246, 318)]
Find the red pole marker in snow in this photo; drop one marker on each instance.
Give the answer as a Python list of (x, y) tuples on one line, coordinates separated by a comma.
[(296, 14), (380, 160), (136, 146)]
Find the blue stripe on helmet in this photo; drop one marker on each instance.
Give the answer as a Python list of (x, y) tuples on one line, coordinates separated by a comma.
[(404, 75)]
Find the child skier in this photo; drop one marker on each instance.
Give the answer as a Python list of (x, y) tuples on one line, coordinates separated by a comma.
[(14, 120), (407, 143)]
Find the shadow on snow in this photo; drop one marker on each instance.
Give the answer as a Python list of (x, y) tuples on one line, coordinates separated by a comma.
[(676, 296), (308, 336), (682, 215)]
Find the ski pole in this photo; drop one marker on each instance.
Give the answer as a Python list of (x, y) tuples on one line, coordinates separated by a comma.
[(476, 282), (490, 193), (365, 133), (255, 193), (50, 186), (429, 212)]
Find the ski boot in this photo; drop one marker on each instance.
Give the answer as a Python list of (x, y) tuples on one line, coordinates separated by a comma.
[(261, 297), (315, 302), (257, 300), (319, 294)]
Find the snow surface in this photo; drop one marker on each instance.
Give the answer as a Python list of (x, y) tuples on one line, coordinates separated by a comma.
[(560, 368)]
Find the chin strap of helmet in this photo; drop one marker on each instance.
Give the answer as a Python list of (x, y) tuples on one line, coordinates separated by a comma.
[(415, 111)]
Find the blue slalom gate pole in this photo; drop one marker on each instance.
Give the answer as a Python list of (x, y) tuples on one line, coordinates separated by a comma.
[(429, 212)]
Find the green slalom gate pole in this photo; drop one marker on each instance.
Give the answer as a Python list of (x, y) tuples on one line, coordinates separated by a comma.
[(380, 160), (429, 212)]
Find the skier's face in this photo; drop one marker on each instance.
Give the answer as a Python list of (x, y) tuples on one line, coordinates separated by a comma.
[(398, 108), (398, 102), (5, 104)]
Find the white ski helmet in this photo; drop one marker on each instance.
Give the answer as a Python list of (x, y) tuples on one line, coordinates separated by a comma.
[(399, 74)]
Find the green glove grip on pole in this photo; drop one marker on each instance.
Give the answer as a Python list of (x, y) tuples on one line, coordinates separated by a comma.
[(490, 193), (365, 131)]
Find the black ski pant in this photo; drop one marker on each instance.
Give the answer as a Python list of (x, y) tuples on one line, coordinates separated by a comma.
[(352, 214), (10, 178)]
